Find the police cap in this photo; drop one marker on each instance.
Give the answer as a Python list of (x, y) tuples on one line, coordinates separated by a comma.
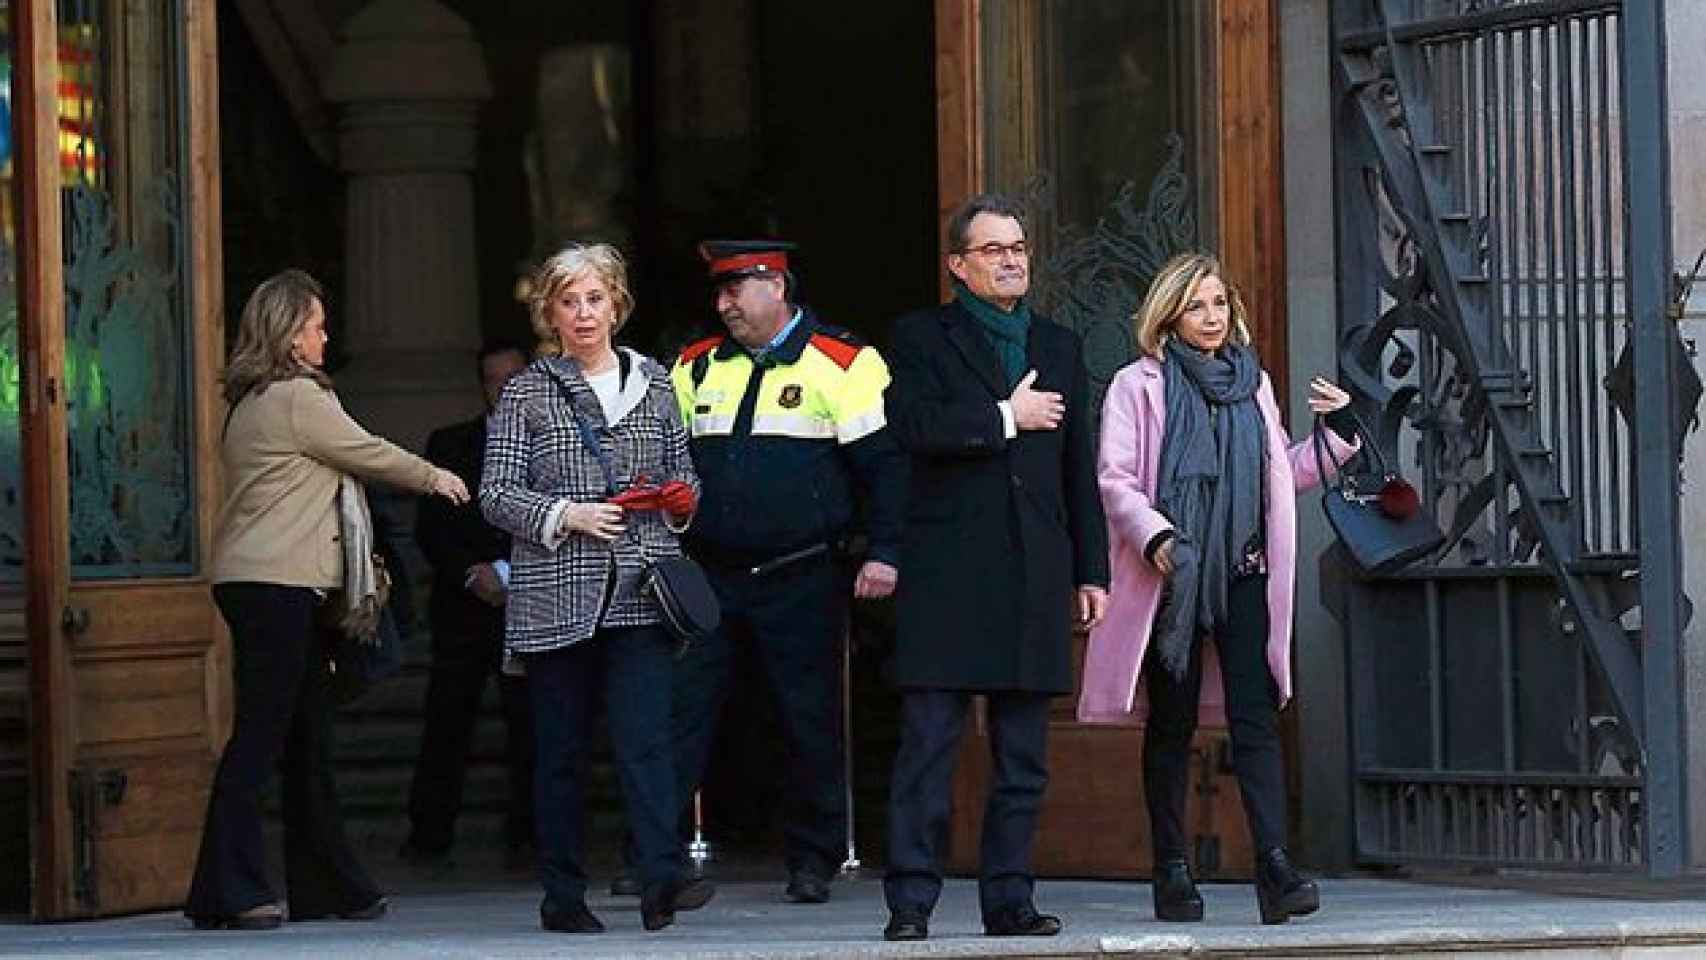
[(737, 259)]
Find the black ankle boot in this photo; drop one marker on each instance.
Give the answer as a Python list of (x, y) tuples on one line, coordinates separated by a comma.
[(1176, 896), (1282, 892)]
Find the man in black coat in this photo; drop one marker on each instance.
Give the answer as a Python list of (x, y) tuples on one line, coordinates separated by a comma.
[(1004, 541), (470, 560)]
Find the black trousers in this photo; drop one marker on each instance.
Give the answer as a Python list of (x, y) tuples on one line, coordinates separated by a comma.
[(629, 669), (1252, 699), (465, 653), (796, 617), (283, 715), (919, 797)]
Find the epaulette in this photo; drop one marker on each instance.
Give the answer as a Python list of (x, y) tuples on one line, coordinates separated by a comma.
[(840, 346), (699, 348)]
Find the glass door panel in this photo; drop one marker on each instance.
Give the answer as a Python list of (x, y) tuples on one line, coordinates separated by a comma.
[(127, 363), (1100, 115)]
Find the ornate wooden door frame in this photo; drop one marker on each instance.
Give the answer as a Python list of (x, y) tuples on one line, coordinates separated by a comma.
[(1089, 825), (128, 679)]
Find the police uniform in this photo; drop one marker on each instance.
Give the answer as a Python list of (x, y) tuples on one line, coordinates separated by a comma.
[(788, 441)]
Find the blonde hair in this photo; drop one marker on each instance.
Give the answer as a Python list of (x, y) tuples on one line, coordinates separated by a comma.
[(266, 335), (565, 267), (1171, 291)]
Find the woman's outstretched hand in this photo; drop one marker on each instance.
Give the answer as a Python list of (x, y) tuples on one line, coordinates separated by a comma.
[(449, 486), (1325, 396)]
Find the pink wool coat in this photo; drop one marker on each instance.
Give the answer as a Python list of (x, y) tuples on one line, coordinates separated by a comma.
[(1133, 419)]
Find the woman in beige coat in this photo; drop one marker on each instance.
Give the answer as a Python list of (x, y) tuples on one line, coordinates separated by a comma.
[(286, 447)]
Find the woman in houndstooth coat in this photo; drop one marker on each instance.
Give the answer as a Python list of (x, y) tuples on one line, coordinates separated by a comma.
[(575, 614)]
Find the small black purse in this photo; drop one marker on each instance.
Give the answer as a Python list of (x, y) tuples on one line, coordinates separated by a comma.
[(1377, 515), (678, 584)]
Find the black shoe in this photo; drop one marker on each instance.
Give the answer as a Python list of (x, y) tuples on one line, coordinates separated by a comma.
[(907, 926), (1020, 921), (1282, 892), (372, 911), (267, 916), (576, 919), (805, 886), (658, 911), (625, 884), (1176, 896)]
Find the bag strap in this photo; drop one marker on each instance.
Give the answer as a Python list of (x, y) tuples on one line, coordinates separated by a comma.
[(589, 439), (1318, 439)]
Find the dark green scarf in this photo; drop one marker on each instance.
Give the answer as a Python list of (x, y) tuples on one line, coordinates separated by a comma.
[(1007, 330)]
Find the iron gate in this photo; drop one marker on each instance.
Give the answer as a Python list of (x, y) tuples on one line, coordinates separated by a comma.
[(1504, 262)]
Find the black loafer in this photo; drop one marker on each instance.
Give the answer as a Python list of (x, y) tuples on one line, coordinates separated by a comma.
[(658, 911), (1022, 921), (807, 887), (907, 926), (372, 911), (267, 916), (576, 919)]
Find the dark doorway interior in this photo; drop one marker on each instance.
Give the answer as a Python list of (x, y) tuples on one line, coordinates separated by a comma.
[(653, 124)]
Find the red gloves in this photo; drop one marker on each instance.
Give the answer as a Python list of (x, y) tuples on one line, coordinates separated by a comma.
[(677, 498), (674, 497)]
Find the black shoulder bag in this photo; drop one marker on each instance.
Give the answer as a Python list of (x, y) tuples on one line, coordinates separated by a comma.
[(677, 584), (1377, 515)]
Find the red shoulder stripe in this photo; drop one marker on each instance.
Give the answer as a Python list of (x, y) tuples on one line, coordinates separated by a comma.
[(839, 351), (699, 348)]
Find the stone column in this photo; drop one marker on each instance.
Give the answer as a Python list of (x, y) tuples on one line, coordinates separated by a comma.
[(407, 79)]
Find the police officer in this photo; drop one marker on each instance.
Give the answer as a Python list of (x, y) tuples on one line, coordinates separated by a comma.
[(788, 437)]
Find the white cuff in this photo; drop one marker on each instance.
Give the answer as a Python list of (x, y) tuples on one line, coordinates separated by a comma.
[(502, 569), (553, 535), (1009, 425)]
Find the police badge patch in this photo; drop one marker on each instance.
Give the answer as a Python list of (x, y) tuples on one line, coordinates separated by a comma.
[(790, 398)]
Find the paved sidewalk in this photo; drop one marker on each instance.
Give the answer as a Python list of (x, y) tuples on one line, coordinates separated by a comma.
[(1360, 917)]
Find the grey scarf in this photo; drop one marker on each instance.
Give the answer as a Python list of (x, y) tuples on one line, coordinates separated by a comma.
[(364, 593), (1210, 486)]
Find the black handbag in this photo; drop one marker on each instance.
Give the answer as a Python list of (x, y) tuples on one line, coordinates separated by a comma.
[(1376, 514), (354, 666), (689, 606)]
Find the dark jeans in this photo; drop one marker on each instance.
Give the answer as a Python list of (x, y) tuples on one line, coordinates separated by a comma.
[(464, 655), (920, 795), (796, 617), (630, 670), (1251, 701), (283, 715)]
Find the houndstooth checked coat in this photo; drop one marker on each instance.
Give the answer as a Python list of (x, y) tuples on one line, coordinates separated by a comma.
[(536, 463)]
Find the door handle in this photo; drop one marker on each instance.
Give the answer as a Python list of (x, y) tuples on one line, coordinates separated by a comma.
[(74, 620)]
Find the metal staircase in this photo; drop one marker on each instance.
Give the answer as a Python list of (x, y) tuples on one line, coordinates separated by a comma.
[(1387, 76)]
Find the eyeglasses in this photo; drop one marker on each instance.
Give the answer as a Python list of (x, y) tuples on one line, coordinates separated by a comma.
[(994, 251)]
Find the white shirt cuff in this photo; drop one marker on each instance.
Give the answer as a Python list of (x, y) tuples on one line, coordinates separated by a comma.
[(1009, 426), (553, 535), (502, 568)]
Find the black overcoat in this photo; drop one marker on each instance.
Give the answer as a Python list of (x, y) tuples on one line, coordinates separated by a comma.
[(999, 532), (454, 538)]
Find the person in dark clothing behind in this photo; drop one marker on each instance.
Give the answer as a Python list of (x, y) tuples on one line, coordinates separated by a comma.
[(470, 560)]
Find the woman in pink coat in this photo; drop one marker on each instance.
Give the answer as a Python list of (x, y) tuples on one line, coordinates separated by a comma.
[(1198, 481)]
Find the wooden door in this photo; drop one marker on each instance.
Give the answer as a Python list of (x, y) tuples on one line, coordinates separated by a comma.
[(1132, 129), (120, 337)]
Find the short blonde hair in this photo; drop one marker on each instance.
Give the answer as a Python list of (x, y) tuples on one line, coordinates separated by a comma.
[(1171, 291), (565, 267)]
